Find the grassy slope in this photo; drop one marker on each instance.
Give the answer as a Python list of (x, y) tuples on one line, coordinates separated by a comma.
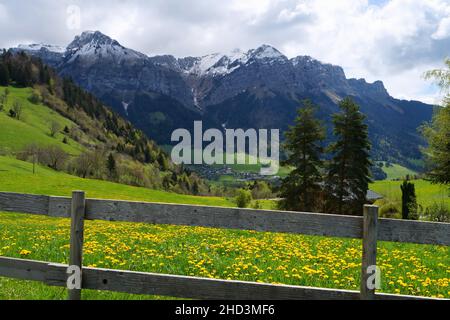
[(427, 193), (34, 125), (397, 172), (16, 176)]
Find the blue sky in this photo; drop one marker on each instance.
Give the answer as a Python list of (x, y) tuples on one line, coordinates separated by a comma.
[(395, 41), (378, 2)]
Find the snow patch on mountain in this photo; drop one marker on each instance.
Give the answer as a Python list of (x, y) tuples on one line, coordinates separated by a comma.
[(125, 106), (40, 46), (219, 64), (267, 52), (93, 45)]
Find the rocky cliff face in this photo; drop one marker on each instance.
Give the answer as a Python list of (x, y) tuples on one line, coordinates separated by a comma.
[(260, 88)]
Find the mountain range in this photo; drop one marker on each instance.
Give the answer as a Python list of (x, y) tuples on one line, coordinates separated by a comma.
[(259, 88)]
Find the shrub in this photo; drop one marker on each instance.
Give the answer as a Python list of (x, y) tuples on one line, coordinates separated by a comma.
[(438, 213), (390, 210), (17, 110), (35, 98), (261, 190), (243, 198), (257, 205), (54, 127)]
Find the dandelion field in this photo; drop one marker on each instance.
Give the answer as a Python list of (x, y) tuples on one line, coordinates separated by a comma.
[(214, 253), (238, 255)]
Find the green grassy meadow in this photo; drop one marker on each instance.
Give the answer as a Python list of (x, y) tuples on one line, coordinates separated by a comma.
[(34, 125), (396, 171), (427, 193), (16, 176)]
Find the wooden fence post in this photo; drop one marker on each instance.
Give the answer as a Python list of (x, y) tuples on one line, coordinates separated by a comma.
[(78, 210), (369, 255)]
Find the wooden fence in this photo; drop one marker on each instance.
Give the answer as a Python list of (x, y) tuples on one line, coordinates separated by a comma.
[(368, 228)]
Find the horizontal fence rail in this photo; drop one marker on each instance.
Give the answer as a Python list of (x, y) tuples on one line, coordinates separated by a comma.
[(175, 286), (368, 228), (230, 218)]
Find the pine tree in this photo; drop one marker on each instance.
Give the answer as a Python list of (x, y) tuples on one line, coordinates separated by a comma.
[(348, 174), (4, 75), (409, 200), (195, 188), (111, 165), (301, 188), (163, 162)]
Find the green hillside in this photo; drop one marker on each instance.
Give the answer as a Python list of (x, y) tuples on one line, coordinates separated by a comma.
[(16, 176), (50, 120), (427, 193), (396, 171), (34, 125)]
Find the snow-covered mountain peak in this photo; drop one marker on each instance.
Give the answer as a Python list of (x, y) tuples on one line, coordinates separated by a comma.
[(218, 64), (267, 52), (41, 46), (91, 38), (93, 45)]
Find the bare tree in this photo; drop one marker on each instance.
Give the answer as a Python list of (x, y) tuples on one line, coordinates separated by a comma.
[(85, 164), (17, 109), (33, 153), (55, 157), (75, 133), (5, 95), (2, 102)]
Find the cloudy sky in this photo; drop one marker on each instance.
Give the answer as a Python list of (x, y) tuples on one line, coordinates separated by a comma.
[(391, 40)]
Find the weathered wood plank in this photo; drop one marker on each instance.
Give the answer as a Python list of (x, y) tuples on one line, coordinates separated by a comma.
[(171, 285), (78, 211), (24, 203), (369, 251), (202, 288), (389, 296), (23, 269), (59, 207), (227, 218), (193, 287), (420, 232), (231, 218)]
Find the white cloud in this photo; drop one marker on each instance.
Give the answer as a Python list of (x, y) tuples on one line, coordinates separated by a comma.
[(394, 41), (443, 30)]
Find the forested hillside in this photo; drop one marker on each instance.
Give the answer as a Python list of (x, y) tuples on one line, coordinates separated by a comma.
[(49, 120)]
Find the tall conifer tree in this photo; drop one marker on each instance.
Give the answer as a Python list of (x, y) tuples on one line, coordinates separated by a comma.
[(301, 188), (348, 174), (4, 75)]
